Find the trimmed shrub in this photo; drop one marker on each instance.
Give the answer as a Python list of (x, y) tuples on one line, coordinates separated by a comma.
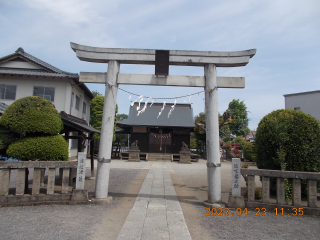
[(32, 115), (6, 138), (249, 151), (288, 140), (43, 148)]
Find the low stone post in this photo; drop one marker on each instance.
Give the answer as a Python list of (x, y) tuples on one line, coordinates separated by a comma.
[(265, 189), (296, 192), (281, 198), (235, 199), (80, 194), (312, 193)]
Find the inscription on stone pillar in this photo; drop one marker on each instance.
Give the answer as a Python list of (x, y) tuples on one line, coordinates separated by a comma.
[(296, 192), (280, 191), (4, 182), (51, 179), (265, 189), (65, 180), (236, 177), (36, 181), (251, 188), (312, 193), (81, 171), (21, 172)]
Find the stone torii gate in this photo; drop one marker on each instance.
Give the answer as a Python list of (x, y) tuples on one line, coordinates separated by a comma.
[(207, 59)]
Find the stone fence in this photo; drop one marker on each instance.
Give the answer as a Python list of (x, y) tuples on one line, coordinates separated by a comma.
[(311, 207), (14, 183)]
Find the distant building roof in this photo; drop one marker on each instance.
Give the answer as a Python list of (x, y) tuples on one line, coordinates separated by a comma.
[(301, 93), (47, 71), (182, 116)]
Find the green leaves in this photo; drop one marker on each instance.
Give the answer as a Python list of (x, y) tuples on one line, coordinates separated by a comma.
[(32, 115), (288, 140), (237, 109), (44, 148)]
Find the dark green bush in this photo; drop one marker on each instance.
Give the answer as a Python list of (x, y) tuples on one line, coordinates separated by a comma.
[(288, 140), (6, 138), (32, 115), (249, 151), (44, 148)]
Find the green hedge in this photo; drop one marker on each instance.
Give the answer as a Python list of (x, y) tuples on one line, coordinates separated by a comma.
[(32, 115), (249, 151), (291, 137), (288, 140), (43, 148), (6, 138)]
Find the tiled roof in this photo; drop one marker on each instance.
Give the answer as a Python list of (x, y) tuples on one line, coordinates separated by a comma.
[(51, 70), (21, 52), (182, 116), (31, 73), (77, 122)]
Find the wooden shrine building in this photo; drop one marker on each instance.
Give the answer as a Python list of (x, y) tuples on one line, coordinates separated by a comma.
[(163, 134)]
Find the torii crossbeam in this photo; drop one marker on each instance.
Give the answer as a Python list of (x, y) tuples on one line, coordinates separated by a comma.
[(207, 59)]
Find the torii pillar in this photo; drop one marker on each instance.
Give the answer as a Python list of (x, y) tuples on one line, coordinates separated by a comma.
[(207, 59)]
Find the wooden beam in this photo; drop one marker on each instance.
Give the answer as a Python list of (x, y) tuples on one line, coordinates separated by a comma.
[(171, 80)]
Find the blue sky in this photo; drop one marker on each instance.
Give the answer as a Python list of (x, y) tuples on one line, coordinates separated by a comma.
[(286, 34)]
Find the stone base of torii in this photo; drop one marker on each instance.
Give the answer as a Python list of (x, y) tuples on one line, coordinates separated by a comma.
[(208, 59)]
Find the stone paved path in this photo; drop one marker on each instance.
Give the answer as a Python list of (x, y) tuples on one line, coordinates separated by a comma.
[(156, 213)]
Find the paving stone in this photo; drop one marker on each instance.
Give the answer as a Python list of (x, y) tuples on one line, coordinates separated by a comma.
[(156, 213)]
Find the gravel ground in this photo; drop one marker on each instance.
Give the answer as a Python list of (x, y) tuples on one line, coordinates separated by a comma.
[(64, 221), (190, 184), (106, 221)]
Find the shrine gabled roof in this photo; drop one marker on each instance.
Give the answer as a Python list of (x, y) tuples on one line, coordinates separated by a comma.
[(181, 116), (47, 70)]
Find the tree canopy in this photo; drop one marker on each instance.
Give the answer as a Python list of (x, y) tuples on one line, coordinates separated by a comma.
[(237, 109), (96, 112), (96, 93)]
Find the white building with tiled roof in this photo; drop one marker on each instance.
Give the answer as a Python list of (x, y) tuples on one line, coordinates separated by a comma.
[(22, 75)]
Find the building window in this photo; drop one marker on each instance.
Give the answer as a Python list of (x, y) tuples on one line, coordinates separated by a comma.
[(77, 102), (296, 108), (72, 99), (84, 108), (44, 92), (8, 92), (74, 142)]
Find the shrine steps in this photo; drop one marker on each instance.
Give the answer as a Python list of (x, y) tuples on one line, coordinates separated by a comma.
[(159, 157)]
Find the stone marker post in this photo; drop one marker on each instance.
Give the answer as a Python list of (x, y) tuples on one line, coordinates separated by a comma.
[(80, 194), (235, 199), (81, 170)]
